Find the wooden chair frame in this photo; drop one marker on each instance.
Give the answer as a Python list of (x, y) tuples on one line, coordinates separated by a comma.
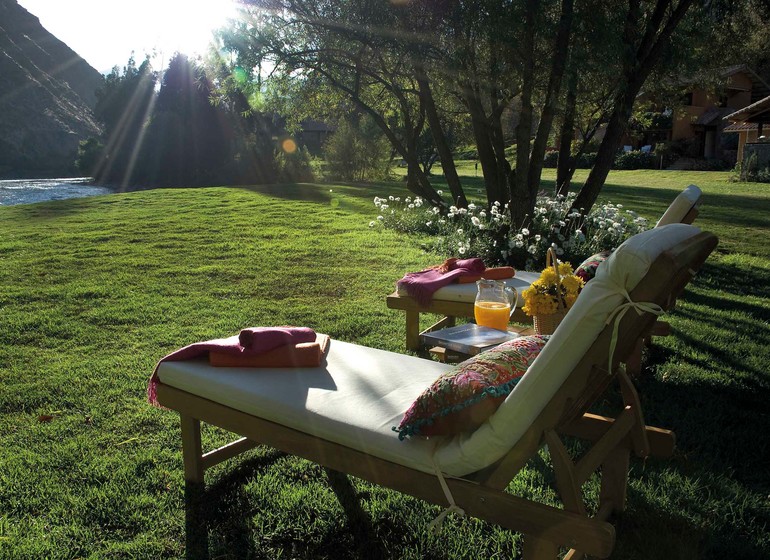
[(482, 494)]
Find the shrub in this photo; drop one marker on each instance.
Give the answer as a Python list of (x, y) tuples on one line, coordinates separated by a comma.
[(89, 154), (294, 167), (487, 233), (551, 159), (357, 154), (634, 159)]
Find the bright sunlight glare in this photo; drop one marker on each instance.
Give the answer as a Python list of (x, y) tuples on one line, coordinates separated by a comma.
[(106, 33)]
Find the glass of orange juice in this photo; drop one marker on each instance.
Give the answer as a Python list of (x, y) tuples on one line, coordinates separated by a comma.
[(494, 304)]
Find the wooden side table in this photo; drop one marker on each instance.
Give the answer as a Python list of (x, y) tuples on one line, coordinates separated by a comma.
[(449, 309), (453, 356)]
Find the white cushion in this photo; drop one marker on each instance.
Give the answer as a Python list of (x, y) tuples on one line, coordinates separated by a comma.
[(467, 292), (682, 204), (354, 399), (624, 269)]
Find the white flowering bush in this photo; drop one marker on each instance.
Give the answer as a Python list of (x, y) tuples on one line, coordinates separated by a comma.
[(486, 233)]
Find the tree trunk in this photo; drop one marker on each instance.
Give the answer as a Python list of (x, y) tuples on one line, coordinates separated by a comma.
[(565, 166), (637, 69), (440, 141), (481, 133), (560, 56), (521, 200)]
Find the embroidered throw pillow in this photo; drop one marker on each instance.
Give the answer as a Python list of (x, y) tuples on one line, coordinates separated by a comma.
[(587, 270), (462, 399)]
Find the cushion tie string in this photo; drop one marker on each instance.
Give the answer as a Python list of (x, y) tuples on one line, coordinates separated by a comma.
[(435, 525), (620, 311)]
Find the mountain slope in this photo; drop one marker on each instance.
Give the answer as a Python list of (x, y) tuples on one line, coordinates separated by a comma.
[(47, 94)]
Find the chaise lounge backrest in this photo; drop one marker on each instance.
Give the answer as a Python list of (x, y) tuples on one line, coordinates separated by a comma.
[(582, 341), (683, 209)]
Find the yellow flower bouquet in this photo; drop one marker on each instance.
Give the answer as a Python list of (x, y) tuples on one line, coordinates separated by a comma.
[(549, 297)]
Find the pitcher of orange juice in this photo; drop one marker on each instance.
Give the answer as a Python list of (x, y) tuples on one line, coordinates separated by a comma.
[(495, 303)]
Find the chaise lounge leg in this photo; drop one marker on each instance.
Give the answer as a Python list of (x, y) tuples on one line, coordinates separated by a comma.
[(191, 449), (615, 479), (412, 330), (539, 549)]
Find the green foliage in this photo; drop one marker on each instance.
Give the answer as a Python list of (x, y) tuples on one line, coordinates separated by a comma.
[(635, 159), (357, 153), (584, 161), (294, 166), (90, 153), (750, 171), (487, 233)]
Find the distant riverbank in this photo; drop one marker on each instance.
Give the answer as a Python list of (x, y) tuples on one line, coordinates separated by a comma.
[(28, 191)]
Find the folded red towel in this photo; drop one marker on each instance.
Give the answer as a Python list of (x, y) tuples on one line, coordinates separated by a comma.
[(304, 354), (258, 340), (498, 273)]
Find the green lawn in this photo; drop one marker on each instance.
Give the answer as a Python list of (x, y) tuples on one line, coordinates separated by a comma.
[(94, 291)]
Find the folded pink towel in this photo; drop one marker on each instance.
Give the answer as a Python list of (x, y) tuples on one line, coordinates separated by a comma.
[(422, 285), (258, 340), (264, 339)]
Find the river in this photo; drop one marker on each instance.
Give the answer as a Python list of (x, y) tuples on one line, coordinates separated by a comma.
[(27, 191)]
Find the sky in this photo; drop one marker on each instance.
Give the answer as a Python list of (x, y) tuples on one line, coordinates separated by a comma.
[(105, 32)]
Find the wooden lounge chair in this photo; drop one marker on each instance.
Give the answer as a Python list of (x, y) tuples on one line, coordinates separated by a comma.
[(340, 415), (682, 210)]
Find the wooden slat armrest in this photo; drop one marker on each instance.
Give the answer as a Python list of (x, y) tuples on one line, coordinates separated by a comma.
[(592, 427)]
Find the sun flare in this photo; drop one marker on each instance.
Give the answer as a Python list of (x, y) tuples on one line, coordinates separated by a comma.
[(106, 33), (188, 27)]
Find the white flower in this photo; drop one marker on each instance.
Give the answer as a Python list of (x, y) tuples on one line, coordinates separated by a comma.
[(460, 230), (390, 198), (372, 223), (411, 206), (475, 221), (380, 218), (496, 203), (440, 192), (471, 206), (428, 224), (524, 231), (537, 238), (383, 207), (461, 250), (532, 249), (482, 214)]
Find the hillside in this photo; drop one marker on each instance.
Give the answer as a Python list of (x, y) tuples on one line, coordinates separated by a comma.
[(47, 94)]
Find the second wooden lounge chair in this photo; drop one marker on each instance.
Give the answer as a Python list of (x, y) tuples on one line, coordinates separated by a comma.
[(340, 415)]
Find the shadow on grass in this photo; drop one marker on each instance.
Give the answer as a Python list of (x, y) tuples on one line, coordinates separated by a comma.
[(737, 280), (711, 419), (218, 518), (359, 523)]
